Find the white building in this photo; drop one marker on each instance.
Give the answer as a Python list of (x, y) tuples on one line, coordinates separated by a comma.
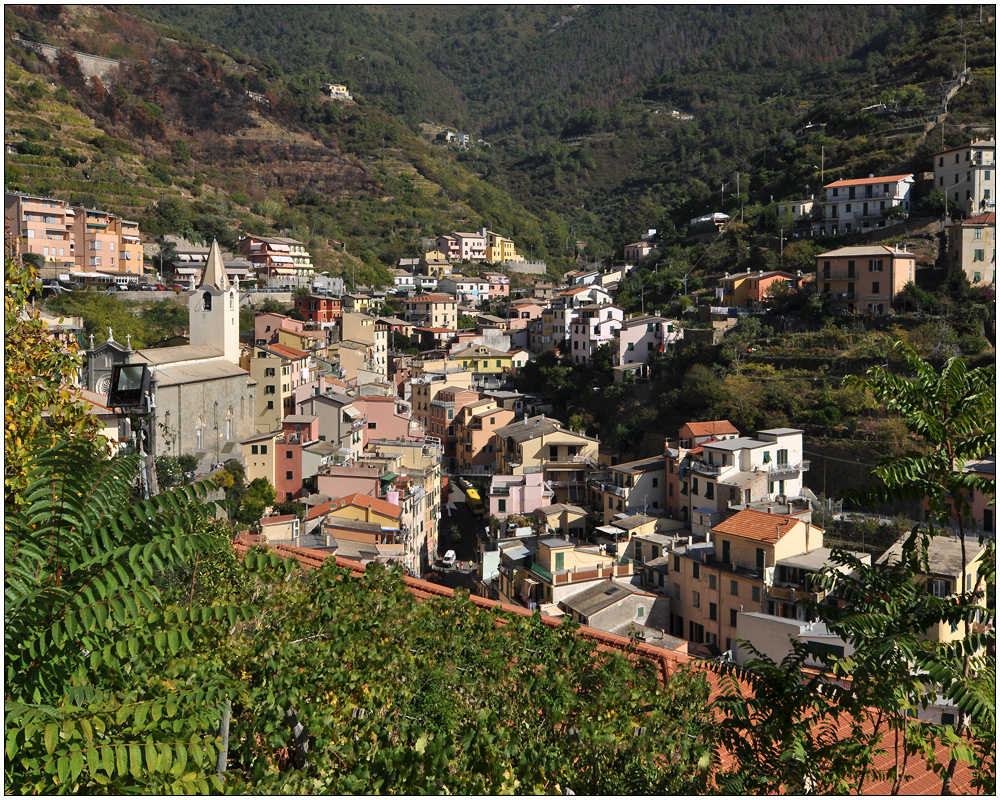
[(595, 325), (968, 175), (858, 205)]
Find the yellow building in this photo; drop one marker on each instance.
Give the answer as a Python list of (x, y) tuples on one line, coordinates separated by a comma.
[(480, 360), (258, 455), (711, 583), (278, 370), (948, 578), (565, 457), (548, 569), (499, 248)]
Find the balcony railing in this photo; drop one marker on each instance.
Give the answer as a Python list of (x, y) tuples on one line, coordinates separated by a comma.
[(839, 275), (610, 488), (499, 490), (793, 594), (541, 572), (706, 469), (775, 469), (622, 569)]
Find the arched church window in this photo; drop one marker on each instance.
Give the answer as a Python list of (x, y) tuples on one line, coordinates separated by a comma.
[(231, 300), (207, 301)]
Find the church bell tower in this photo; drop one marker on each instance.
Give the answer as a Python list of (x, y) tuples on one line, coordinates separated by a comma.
[(214, 310)]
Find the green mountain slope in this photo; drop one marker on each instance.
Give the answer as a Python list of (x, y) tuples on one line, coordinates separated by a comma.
[(179, 144)]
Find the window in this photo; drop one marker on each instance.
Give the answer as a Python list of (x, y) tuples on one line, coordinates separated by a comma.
[(755, 594), (875, 287), (288, 475), (987, 175), (288, 454), (725, 551), (263, 449), (696, 599), (767, 456), (711, 581), (677, 563), (847, 206), (979, 233), (269, 372), (976, 277), (638, 550), (694, 485), (560, 561), (640, 611), (372, 425), (269, 389), (713, 611), (270, 405), (253, 449), (656, 552), (979, 255), (875, 265), (502, 506), (696, 570), (940, 587), (732, 617), (709, 491), (677, 591)]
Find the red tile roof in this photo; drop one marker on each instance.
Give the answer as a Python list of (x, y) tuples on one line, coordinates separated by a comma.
[(277, 520), (320, 510), (989, 218), (432, 298), (358, 500), (922, 780), (865, 181), (288, 352), (719, 427), (750, 524)]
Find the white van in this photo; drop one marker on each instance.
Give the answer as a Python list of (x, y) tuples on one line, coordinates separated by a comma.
[(449, 559)]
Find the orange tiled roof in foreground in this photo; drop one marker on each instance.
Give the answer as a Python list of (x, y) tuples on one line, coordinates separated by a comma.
[(358, 500), (921, 780), (763, 527)]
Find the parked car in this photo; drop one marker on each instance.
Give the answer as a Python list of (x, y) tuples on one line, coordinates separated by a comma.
[(449, 559)]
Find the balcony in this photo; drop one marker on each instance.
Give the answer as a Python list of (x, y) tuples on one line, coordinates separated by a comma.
[(839, 275), (707, 469), (793, 594), (746, 568), (776, 470), (500, 491), (610, 488)]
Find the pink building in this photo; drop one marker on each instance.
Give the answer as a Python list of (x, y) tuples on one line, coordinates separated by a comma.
[(449, 246), (641, 336), (522, 313), (337, 480), (388, 418), (297, 430), (323, 384), (595, 325), (499, 284), (518, 494), (267, 324)]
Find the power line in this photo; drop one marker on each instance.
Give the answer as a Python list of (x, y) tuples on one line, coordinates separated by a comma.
[(841, 460)]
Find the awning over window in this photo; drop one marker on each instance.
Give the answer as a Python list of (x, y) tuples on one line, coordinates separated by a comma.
[(282, 260), (352, 412)]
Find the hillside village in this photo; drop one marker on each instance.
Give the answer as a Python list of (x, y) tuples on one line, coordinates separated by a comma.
[(404, 424), (328, 410)]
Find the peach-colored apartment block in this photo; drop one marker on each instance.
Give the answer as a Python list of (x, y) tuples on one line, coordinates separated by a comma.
[(44, 226)]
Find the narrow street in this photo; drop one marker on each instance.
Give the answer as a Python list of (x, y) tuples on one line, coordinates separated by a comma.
[(457, 513)]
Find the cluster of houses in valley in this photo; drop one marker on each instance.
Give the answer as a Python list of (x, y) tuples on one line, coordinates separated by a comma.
[(363, 404)]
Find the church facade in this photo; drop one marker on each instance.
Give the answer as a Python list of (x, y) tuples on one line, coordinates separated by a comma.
[(204, 402)]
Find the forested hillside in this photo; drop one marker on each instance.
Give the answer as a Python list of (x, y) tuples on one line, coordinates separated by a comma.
[(578, 102), (179, 144)]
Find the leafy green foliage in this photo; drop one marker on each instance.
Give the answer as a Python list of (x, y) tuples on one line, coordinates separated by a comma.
[(83, 623)]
